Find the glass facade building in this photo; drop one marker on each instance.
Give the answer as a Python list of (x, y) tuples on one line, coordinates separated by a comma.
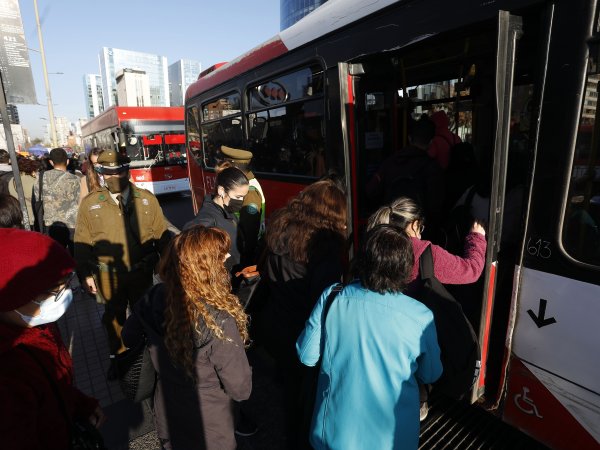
[(291, 11), (181, 74), (114, 59), (92, 93)]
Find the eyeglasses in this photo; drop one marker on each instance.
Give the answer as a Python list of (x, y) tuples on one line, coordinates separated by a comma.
[(59, 292), (421, 229)]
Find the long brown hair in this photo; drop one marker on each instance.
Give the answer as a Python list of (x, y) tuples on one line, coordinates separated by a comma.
[(197, 287), (91, 176), (319, 208)]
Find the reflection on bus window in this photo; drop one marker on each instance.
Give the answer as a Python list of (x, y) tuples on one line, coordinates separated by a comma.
[(222, 107), (193, 133), (227, 131), (289, 139), (442, 96), (581, 232), (301, 84)]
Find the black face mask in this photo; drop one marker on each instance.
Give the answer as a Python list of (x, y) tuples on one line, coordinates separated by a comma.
[(116, 184), (234, 206)]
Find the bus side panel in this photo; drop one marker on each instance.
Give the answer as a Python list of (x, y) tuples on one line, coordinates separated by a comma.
[(554, 380), (161, 179), (196, 182)]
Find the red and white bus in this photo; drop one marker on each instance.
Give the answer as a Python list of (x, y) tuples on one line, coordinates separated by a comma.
[(153, 137), (519, 79)]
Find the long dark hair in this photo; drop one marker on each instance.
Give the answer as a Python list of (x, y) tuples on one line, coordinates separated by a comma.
[(10, 212), (229, 177), (318, 211), (91, 176)]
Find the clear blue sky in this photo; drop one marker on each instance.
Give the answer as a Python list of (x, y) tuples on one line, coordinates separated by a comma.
[(74, 31)]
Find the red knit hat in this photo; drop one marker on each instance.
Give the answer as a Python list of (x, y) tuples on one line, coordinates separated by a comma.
[(30, 263)]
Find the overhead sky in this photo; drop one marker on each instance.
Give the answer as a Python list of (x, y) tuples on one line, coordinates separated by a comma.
[(74, 31)]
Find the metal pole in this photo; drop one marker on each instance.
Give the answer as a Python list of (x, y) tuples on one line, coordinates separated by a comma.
[(46, 81), (10, 143)]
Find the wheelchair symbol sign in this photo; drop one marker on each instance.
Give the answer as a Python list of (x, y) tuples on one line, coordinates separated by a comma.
[(526, 404)]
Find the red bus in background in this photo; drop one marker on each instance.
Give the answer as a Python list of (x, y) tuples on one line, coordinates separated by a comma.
[(153, 137)]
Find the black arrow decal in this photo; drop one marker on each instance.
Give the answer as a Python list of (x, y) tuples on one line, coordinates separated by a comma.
[(540, 320)]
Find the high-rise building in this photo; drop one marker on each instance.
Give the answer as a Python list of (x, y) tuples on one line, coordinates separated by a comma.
[(114, 59), (181, 74), (133, 88), (291, 11), (92, 92), (13, 115), (63, 131)]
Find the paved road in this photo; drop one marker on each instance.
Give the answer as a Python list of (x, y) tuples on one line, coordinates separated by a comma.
[(177, 208)]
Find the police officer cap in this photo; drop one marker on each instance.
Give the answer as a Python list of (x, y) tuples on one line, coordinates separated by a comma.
[(111, 162), (236, 155)]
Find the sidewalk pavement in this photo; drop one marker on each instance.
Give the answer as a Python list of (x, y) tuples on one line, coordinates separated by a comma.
[(129, 425)]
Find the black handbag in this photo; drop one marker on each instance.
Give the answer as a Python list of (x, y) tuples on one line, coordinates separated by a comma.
[(135, 371), (82, 434), (459, 346)]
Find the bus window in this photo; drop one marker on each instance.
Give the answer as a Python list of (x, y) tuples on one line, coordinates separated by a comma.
[(221, 125), (286, 127), (581, 227), (193, 134)]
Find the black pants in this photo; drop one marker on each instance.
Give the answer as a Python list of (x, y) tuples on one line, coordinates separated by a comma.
[(62, 234)]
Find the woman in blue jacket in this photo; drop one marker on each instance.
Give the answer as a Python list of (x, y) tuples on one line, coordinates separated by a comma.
[(375, 346)]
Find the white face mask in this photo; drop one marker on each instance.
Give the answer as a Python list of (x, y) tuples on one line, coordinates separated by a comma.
[(51, 309)]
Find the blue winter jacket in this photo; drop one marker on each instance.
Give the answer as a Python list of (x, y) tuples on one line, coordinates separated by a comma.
[(375, 349)]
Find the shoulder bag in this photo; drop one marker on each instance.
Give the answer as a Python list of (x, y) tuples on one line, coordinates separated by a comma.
[(82, 434), (460, 352), (310, 379), (135, 371), (38, 206)]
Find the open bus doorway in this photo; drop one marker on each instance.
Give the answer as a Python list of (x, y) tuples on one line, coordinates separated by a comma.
[(459, 73)]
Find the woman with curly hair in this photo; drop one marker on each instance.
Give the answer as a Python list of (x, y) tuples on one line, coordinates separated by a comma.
[(306, 243), (196, 330)]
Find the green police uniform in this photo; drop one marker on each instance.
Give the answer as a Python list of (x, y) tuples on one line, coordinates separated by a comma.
[(252, 214), (119, 246)]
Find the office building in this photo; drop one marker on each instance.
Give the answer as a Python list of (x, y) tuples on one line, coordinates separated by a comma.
[(92, 92), (13, 115), (291, 11), (133, 88), (114, 59), (181, 74), (63, 131)]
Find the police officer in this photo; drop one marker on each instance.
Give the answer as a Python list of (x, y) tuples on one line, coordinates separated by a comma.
[(252, 214), (119, 234)]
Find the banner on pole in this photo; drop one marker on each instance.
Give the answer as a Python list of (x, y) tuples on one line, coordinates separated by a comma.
[(14, 56)]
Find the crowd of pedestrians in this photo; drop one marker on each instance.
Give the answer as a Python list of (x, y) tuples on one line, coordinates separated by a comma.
[(354, 348)]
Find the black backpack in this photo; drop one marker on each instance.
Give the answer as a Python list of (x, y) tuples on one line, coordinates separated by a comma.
[(5, 178), (460, 352)]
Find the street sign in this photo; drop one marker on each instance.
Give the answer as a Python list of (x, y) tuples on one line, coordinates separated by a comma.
[(14, 57)]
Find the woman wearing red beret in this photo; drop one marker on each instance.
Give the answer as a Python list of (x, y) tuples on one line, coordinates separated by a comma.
[(38, 402)]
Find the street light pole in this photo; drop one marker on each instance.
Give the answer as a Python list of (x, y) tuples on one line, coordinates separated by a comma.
[(46, 81)]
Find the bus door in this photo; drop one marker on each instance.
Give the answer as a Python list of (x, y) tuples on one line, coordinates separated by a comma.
[(468, 74), (509, 32)]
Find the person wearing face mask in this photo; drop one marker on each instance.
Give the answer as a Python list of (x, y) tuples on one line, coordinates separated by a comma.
[(120, 233), (219, 210), (38, 400)]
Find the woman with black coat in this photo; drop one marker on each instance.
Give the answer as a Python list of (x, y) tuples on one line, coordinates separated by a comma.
[(218, 210)]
